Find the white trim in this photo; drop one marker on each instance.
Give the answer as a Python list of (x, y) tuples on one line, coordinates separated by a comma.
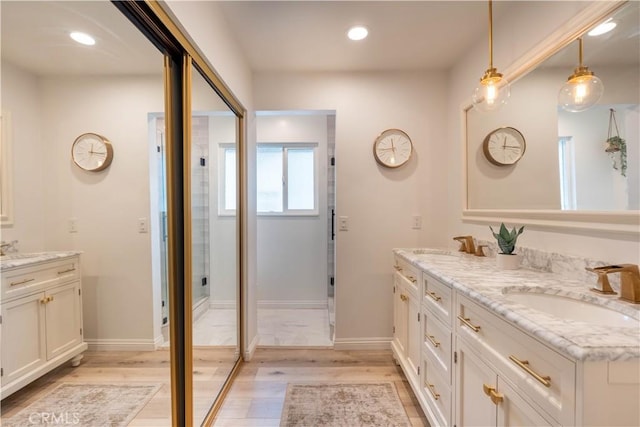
[(310, 304), (124, 344), (159, 342), (375, 343), (622, 223), (251, 348), (200, 308)]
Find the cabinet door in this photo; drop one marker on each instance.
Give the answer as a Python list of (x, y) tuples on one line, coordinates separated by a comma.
[(63, 319), (414, 341), (514, 411), (473, 406), (23, 325), (400, 316)]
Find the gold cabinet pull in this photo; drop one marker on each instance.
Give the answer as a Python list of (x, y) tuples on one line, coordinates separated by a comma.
[(50, 298), (496, 397), (46, 300), (397, 267), (67, 271), (403, 297), (524, 364), (43, 300), (21, 282), (412, 279), (432, 390), (434, 296), (467, 322), (433, 341)]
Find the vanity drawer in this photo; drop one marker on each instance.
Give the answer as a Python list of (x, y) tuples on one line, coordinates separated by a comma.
[(546, 377), (409, 273), (436, 391), (23, 281), (437, 343), (438, 297)]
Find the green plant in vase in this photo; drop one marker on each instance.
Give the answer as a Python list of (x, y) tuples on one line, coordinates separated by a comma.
[(506, 259), (615, 144)]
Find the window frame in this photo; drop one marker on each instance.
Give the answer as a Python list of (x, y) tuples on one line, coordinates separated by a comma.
[(222, 175)]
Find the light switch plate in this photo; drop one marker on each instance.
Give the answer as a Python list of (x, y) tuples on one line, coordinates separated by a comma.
[(416, 222), (143, 225), (73, 225), (343, 223)]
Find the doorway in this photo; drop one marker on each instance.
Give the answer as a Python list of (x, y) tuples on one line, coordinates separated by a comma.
[(295, 202)]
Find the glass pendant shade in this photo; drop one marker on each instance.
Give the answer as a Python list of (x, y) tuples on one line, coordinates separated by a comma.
[(492, 92), (580, 92), (582, 89)]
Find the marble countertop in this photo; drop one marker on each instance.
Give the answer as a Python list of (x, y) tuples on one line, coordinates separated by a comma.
[(17, 260), (479, 279)]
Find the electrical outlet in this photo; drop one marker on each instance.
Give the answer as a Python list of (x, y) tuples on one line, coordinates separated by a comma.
[(73, 225), (143, 225), (343, 223), (417, 222)]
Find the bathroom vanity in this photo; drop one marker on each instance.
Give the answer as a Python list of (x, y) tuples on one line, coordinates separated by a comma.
[(41, 320), (482, 346)]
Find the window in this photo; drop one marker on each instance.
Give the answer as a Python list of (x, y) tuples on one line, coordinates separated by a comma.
[(566, 157), (286, 179), (286, 175)]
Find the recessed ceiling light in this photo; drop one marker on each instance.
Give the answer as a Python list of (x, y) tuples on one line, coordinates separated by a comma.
[(605, 27), (358, 32), (82, 38)]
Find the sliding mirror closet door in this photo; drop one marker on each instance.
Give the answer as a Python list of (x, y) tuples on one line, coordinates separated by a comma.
[(214, 243), (57, 90)]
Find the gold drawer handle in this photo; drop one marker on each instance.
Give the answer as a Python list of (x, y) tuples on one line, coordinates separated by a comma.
[(432, 390), (46, 300), (66, 271), (433, 341), (524, 364), (412, 279), (403, 297), (496, 397), (434, 296), (467, 322), (397, 267), (22, 282)]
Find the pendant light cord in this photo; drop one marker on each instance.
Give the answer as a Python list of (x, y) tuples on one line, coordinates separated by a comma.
[(490, 34), (580, 51)]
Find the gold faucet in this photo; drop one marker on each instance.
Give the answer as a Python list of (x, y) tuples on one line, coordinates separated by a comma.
[(479, 251), (466, 244), (3, 246), (629, 281)]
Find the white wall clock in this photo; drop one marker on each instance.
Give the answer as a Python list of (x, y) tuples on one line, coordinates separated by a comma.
[(392, 148), (504, 146), (92, 152)]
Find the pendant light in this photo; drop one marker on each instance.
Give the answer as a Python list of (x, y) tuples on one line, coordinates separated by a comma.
[(582, 89), (493, 90)]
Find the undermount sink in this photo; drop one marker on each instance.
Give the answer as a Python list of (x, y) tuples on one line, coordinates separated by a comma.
[(573, 309)]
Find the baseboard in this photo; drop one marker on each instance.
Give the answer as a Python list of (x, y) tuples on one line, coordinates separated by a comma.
[(275, 304), (158, 342), (375, 343), (222, 304), (123, 345), (251, 349)]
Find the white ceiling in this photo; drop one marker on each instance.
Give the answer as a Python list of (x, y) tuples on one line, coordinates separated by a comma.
[(278, 35)]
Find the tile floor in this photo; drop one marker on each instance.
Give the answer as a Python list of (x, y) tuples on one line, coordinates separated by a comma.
[(276, 327)]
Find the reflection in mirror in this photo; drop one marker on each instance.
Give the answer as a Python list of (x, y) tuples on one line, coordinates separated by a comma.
[(6, 188), (214, 233), (57, 90), (565, 165)]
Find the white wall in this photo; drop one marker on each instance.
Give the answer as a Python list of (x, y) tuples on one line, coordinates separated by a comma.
[(512, 39), (292, 251), (378, 202), (21, 98), (118, 299)]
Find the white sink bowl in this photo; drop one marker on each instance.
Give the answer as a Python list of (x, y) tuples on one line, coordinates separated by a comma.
[(573, 309)]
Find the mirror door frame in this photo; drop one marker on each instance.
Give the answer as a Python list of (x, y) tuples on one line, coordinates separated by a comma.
[(151, 18)]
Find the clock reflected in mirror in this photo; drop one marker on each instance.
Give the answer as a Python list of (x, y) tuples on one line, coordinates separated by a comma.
[(92, 152), (504, 146), (392, 148)]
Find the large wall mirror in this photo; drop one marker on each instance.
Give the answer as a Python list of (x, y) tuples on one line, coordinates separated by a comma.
[(565, 177)]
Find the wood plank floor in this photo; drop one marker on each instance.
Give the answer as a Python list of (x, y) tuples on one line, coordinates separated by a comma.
[(256, 397)]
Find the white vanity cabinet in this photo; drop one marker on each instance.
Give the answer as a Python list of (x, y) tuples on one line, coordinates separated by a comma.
[(477, 367), (41, 324), (406, 329)]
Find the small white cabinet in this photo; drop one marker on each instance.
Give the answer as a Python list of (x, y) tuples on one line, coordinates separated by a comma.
[(41, 320)]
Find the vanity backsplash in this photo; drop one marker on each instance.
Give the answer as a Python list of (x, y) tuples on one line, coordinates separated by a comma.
[(569, 266)]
